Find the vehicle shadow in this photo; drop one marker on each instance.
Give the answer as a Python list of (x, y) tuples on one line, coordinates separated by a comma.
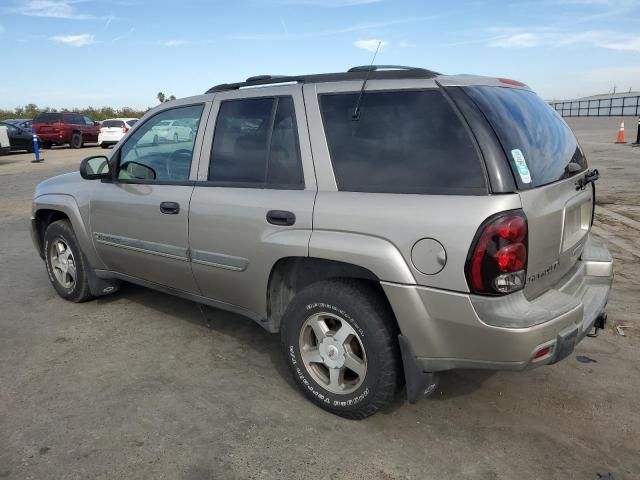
[(452, 384), (246, 331)]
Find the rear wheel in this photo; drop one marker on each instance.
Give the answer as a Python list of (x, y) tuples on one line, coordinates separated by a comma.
[(340, 342), (76, 140), (66, 265)]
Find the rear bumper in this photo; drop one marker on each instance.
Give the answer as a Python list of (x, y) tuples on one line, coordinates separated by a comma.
[(448, 330), (54, 137)]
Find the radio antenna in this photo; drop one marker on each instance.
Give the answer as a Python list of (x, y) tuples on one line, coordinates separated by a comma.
[(356, 110)]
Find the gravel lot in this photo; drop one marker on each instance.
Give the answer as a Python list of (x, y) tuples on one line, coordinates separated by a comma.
[(143, 385)]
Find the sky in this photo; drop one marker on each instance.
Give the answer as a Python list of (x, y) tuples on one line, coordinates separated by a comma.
[(78, 53)]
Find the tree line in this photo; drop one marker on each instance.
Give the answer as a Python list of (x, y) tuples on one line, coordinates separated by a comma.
[(31, 110)]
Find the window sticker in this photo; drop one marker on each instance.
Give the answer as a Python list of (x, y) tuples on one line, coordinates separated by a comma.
[(521, 165)]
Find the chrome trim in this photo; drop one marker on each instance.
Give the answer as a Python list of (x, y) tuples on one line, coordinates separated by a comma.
[(219, 260), (142, 246)]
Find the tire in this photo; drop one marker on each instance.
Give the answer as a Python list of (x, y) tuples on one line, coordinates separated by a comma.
[(30, 148), (46, 145), (76, 140), (372, 340), (62, 252)]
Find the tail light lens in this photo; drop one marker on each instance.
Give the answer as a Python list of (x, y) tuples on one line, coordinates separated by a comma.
[(125, 129), (497, 261)]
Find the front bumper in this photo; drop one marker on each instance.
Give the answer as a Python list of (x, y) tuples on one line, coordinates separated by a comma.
[(448, 330)]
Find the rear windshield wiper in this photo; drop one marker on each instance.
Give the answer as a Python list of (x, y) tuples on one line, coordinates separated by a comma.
[(590, 176)]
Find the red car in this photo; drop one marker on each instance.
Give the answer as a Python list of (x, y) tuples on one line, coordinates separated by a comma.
[(65, 127)]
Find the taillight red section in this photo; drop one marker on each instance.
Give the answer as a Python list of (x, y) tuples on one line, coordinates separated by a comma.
[(497, 261), (125, 129)]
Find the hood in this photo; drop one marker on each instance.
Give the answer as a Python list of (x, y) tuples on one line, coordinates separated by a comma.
[(68, 184)]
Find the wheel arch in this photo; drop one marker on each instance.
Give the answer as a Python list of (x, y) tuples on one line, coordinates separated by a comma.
[(290, 275)]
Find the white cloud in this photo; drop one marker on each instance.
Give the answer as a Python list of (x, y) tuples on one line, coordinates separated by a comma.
[(173, 43), (552, 38), (75, 40), (50, 8), (517, 40), (330, 32), (371, 45)]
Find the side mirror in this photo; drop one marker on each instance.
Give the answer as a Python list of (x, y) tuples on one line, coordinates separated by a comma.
[(96, 124), (95, 168), (136, 171)]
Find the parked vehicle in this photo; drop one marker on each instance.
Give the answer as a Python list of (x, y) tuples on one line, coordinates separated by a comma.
[(390, 223), (170, 130), (5, 146), (19, 138), (113, 129), (24, 123), (65, 128)]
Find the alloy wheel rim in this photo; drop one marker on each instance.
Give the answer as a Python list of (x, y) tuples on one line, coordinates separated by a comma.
[(63, 263), (333, 353)]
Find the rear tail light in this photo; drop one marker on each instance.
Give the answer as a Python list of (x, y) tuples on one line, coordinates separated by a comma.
[(125, 129), (497, 261)]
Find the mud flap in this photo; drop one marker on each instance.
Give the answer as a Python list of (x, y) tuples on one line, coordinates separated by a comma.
[(419, 384)]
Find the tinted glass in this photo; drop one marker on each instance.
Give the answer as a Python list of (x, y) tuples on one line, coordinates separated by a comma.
[(47, 118), (131, 123), (284, 167), (113, 123), (250, 135), (525, 122), (403, 142), (88, 121), (152, 153), (73, 118)]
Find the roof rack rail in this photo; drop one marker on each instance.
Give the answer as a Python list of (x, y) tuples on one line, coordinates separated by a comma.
[(388, 72), (376, 68)]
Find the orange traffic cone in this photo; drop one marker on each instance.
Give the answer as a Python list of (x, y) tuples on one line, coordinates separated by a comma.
[(621, 134)]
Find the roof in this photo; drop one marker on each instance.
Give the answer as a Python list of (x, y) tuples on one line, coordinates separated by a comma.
[(372, 72)]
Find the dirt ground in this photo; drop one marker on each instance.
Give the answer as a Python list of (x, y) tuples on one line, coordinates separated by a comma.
[(141, 385)]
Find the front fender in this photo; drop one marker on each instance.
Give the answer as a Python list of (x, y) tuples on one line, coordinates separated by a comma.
[(67, 204), (375, 254)]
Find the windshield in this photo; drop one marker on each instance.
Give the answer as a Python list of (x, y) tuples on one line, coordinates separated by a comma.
[(537, 141)]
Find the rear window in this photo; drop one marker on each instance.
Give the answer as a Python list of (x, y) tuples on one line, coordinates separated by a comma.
[(404, 142), (47, 118), (537, 141), (131, 123), (113, 123)]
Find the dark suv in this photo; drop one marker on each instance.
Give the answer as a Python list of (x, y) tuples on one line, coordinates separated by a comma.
[(65, 127)]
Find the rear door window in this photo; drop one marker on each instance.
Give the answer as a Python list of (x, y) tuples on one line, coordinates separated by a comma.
[(255, 144), (409, 141), (537, 141)]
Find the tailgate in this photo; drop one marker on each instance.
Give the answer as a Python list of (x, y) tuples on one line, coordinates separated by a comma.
[(559, 219), (546, 161)]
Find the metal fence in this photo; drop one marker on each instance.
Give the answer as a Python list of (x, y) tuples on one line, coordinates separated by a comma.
[(599, 107)]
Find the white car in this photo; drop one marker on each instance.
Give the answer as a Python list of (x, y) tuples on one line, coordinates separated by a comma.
[(171, 130), (113, 129)]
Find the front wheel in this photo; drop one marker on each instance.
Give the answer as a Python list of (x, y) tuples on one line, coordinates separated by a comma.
[(66, 265), (340, 342)]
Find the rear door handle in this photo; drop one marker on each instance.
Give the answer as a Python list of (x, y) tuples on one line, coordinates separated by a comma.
[(170, 208), (281, 217)]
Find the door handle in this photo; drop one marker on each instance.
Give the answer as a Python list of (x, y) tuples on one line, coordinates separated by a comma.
[(281, 217), (170, 208)]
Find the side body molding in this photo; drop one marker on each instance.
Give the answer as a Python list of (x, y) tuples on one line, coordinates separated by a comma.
[(79, 221), (375, 254)]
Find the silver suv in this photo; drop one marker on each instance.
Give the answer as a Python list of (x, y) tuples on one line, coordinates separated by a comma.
[(390, 222)]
